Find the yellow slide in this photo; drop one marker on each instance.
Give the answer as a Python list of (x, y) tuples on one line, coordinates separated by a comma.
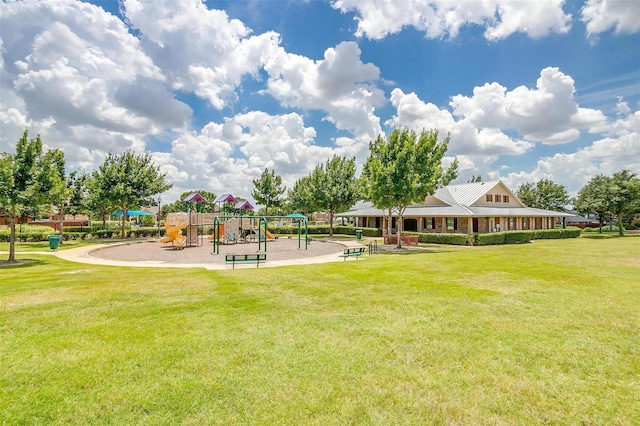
[(180, 240), (174, 234)]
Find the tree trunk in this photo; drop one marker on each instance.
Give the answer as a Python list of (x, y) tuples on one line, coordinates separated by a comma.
[(399, 230), (330, 223), (61, 217), (12, 235), (389, 227), (124, 215), (620, 227)]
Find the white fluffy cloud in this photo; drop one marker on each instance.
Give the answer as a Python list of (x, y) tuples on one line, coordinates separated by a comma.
[(485, 126), (199, 49), (602, 15), (440, 18), (608, 155), (547, 114), (339, 84), (467, 138), (225, 157), (73, 82)]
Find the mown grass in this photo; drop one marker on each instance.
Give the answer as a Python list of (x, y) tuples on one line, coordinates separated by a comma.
[(542, 333), (44, 245)]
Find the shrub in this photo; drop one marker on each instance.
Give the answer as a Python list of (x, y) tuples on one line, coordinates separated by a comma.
[(351, 230), (324, 229), (518, 237), (571, 232), (432, 238), (490, 239), (105, 233), (30, 233), (547, 234), (76, 228), (74, 235)]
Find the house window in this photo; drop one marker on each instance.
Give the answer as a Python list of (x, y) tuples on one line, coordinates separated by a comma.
[(498, 198), (511, 224), (505, 198), (489, 198), (452, 223), (429, 223), (525, 223)]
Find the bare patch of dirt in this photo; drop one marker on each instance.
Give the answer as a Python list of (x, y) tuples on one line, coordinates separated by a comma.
[(5, 263)]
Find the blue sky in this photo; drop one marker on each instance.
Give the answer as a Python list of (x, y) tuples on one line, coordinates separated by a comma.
[(219, 91)]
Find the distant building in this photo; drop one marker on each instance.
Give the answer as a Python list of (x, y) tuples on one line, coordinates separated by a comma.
[(477, 207)]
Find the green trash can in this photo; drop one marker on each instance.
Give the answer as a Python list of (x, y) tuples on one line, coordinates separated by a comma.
[(358, 234), (54, 241)]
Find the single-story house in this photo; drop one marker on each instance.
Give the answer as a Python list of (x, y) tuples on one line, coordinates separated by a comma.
[(580, 221), (477, 207)]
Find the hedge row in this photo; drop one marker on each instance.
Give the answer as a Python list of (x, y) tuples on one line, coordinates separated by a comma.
[(522, 237), (324, 229), (33, 235), (433, 238), (494, 238), (131, 233)]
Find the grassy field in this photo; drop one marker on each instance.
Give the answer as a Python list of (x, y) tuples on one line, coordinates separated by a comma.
[(44, 246), (542, 333)]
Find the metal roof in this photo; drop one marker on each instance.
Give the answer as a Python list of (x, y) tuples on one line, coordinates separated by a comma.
[(194, 197), (226, 198), (466, 193)]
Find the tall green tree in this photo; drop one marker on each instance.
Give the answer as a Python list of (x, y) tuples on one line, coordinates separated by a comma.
[(98, 200), (626, 196), (595, 198), (334, 186), (57, 185), (24, 181), (403, 169), (77, 183), (544, 194), (300, 197), (268, 190), (129, 180)]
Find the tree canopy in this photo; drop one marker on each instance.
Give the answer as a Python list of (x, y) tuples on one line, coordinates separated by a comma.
[(404, 168), (595, 198), (626, 196), (300, 197), (610, 196), (334, 186), (268, 190), (29, 177), (544, 194), (129, 180)]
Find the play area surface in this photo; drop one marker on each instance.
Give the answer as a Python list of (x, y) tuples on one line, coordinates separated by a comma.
[(283, 251)]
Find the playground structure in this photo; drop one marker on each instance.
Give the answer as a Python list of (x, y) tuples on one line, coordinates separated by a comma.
[(222, 227)]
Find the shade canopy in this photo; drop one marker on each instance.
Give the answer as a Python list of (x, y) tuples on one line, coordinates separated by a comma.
[(296, 216), (133, 213)]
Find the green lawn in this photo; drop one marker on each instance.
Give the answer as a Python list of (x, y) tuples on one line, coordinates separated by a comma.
[(542, 333), (44, 246)]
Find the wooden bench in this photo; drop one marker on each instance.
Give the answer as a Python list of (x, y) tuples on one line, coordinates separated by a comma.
[(353, 252), (256, 258)]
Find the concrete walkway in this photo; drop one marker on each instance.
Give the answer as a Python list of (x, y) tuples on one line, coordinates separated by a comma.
[(83, 255)]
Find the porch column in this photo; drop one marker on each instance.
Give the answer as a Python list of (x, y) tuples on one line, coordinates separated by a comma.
[(469, 225)]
